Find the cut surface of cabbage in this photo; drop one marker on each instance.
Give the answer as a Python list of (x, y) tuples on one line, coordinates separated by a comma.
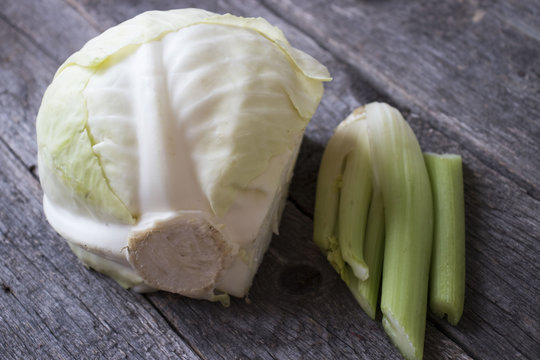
[(166, 145)]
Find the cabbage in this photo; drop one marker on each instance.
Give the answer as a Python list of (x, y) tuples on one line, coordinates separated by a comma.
[(166, 144)]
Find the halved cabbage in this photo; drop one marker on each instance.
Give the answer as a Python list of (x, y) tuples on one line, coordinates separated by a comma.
[(166, 145)]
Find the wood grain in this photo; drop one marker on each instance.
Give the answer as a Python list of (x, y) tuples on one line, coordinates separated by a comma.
[(466, 76)]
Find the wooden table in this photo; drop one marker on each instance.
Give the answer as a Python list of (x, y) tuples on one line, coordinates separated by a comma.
[(466, 75)]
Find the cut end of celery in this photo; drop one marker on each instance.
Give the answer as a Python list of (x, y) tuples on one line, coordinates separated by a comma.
[(442, 308), (361, 293), (369, 308), (453, 319), (400, 338), (445, 156)]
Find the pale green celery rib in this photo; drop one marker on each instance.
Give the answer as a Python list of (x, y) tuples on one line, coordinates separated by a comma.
[(367, 292), (353, 213), (400, 171), (354, 202), (447, 278), (327, 196)]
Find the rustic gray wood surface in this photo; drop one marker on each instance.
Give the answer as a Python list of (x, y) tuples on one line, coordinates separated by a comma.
[(466, 74)]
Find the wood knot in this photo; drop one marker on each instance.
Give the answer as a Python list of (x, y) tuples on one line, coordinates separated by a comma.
[(300, 279), (6, 289)]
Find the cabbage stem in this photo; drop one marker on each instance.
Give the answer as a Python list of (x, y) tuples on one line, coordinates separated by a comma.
[(447, 278)]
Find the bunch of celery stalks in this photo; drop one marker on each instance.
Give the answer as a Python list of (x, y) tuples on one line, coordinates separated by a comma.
[(383, 206)]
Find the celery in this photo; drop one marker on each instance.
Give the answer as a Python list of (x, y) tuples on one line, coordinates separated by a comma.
[(348, 222), (447, 278), (400, 171), (367, 292), (329, 184), (354, 202), (374, 199)]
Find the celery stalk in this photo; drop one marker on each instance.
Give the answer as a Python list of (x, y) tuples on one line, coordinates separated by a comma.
[(354, 202), (447, 278), (329, 184), (349, 222), (367, 292), (400, 171)]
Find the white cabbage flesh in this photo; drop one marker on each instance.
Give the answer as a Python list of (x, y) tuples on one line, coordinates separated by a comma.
[(166, 145)]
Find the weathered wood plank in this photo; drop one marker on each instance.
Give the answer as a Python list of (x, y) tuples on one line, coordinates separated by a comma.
[(308, 314), (29, 59), (22, 80), (41, 22)]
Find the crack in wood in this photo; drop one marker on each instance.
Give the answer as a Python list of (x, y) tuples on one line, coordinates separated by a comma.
[(184, 339), (7, 289)]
